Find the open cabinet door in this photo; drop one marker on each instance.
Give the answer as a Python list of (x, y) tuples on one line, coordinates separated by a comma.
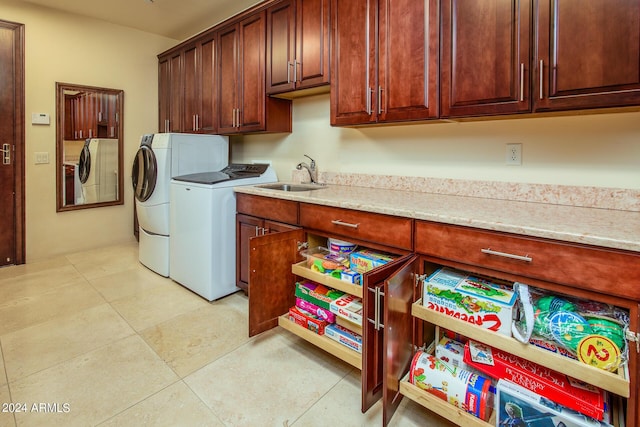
[(399, 294), (373, 329), (271, 282)]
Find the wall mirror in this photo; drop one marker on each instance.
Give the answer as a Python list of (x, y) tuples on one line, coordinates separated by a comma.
[(89, 147)]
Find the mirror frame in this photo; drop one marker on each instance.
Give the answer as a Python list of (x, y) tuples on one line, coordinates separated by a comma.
[(60, 123)]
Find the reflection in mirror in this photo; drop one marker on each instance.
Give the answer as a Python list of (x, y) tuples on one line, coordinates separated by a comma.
[(88, 146)]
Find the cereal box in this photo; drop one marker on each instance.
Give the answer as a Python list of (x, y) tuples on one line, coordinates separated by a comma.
[(476, 300), (344, 337), (317, 294), (365, 260), (307, 320), (349, 307)]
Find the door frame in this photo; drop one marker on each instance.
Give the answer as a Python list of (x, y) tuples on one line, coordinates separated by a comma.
[(19, 141)]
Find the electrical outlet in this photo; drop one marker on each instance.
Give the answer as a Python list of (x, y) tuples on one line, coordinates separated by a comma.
[(514, 155)]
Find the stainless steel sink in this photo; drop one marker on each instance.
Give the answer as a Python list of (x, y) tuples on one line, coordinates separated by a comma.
[(292, 187)]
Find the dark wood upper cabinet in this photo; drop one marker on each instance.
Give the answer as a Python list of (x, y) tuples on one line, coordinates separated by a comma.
[(485, 57), (384, 61), (199, 86), (587, 54), (297, 45), (170, 92), (243, 104)]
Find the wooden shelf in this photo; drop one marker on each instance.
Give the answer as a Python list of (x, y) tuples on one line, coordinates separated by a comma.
[(616, 383), (302, 270), (327, 344), (442, 408)]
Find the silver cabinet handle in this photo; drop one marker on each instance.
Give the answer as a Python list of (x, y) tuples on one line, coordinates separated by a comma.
[(295, 71), (368, 101), (525, 258), (193, 122), (541, 78), (521, 81), (380, 109), (344, 224), (289, 72), (377, 294), (6, 154), (233, 118)]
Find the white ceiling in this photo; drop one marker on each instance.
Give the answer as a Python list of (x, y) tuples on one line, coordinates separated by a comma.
[(176, 19)]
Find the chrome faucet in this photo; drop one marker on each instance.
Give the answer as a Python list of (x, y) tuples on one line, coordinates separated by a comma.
[(310, 168)]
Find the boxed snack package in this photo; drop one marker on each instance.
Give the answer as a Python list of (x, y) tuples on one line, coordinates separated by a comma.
[(349, 307), (347, 324), (364, 260), (452, 352), (317, 294), (517, 405), (319, 312), (344, 337), (307, 320), (476, 300), (574, 394)]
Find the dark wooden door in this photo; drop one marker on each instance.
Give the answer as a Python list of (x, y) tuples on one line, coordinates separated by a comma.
[(164, 94), (170, 93), (399, 293), (246, 228), (272, 284), (485, 57), (11, 143), (312, 43), (353, 64), (407, 87), (281, 47), (373, 329), (207, 107), (227, 78), (587, 54), (191, 95), (252, 77)]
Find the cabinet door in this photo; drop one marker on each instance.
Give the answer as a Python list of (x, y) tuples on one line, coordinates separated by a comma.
[(312, 43), (207, 108), (252, 78), (587, 54), (407, 87), (271, 282), (373, 329), (164, 94), (170, 93), (280, 47), (191, 75), (399, 294), (246, 228), (227, 78), (485, 57), (352, 61)]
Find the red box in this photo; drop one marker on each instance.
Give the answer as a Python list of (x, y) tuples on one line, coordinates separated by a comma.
[(574, 394), (307, 320)]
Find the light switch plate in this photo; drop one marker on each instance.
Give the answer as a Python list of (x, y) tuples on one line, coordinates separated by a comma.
[(42, 157)]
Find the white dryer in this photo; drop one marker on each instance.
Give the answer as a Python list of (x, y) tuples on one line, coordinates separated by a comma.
[(203, 227), (159, 158), (98, 170)]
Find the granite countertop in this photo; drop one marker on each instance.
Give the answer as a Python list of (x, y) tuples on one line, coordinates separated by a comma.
[(594, 226)]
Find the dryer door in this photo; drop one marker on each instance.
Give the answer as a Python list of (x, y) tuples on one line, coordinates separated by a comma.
[(144, 173), (85, 163)]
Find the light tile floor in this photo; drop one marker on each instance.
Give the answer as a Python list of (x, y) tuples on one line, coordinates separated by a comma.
[(96, 339)]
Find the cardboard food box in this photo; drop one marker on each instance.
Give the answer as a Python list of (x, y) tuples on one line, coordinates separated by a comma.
[(347, 324), (559, 388), (319, 312), (317, 294), (349, 307), (307, 320), (516, 404), (344, 337), (476, 300), (364, 260)]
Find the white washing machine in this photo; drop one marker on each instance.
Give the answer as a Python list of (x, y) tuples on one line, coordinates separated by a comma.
[(203, 227), (161, 157), (98, 170)]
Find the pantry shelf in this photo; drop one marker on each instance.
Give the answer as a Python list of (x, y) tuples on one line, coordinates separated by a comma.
[(617, 383), (327, 344), (302, 270), (441, 407)]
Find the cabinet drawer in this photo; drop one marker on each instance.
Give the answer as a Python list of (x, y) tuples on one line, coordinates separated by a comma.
[(371, 227), (285, 211), (602, 270)]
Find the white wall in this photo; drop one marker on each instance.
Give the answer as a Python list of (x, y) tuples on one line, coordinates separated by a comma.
[(65, 48), (601, 150)]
